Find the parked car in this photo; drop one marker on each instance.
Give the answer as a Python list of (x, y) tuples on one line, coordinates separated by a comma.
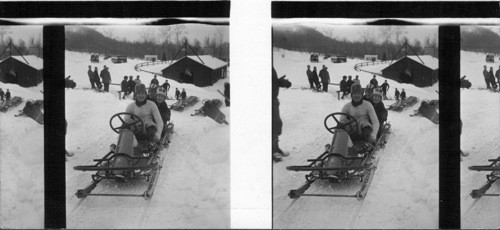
[(106, 56), (119, 59), (94, 58), (314, 58), (339, 59), (490, 58)]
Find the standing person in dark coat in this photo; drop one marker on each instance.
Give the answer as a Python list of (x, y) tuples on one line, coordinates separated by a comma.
[(325, 78), (183, 94), (396, 94), (96, 78), (177, 94), (486, 76), (492, 79), (403, 94), (497, 74), (374, 81), (277, 154), (1, 94), (226, 93), (343, 86), (106, 78), (7, 95), (310, 76), (315, 78), (131, 86), (91, 77), (385, 87), (349, 84), (166, 86), (124, 86), (155, 81)]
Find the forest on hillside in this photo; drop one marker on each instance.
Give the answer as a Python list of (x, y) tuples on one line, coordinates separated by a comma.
[(165, 42), (479, 39), (307, 39)]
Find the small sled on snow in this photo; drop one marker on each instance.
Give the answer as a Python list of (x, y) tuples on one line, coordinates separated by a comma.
[(343, 162), (491, 178), (403, 104), (6, 104), (129, 159), (180, 105), (427, 109), (210, 108), (33, 109)]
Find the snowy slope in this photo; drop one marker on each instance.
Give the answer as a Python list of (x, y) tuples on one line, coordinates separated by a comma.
[(193, 188), (404, 190), (21, 164), (480, 112)]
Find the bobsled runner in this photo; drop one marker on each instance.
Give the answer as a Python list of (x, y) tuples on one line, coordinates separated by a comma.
[(180, 105), (210, 108), (342, 162), (33, 109), (403, 104), (494, 168), (428, 110), (130, 158), (6, 104)]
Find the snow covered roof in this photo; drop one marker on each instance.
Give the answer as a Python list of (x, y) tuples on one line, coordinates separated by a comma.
[(428, 60), (33, 61), (210, 62)]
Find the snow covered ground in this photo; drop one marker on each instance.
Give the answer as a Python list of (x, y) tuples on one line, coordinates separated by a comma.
[(21, 164), (480, 112), (404, 190), (193, 188)]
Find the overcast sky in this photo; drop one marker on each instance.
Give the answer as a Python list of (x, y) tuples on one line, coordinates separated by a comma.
[(23, 32), (193, 31)]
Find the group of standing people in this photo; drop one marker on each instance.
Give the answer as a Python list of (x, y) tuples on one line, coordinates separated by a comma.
[(347, 82), (489, 77), (314, 78), (95, 78), (6, 94)]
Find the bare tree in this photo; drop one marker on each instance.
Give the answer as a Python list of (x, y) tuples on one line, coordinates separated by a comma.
[(366, 34), (386, 33), (178, 31), (148, 37), (398, 32), (165, 32), (4, 31)]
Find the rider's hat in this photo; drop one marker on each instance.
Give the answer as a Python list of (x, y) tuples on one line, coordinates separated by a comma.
[(356, 88), (161, 91), (377, 91), (140, 88)]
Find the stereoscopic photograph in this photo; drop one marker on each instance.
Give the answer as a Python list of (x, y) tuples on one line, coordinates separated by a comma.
[(21, 127), (479, 111), (148, 126), (355, 126)]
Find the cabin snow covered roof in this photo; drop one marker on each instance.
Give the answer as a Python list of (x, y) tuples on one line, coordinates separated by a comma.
[(429, 61), (209, 61), (33, 61)]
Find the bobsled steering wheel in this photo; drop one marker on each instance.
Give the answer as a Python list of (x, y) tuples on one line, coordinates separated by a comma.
[(350, 125), (135, 123)]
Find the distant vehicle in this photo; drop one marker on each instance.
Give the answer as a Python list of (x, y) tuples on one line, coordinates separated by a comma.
[(119, 59), (106, 56), (339, 59), (327, 56), (314, 58), (94, 58), (490, 58)]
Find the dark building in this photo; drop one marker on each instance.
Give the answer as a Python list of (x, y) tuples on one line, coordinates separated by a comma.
[(201, 70), (26, 72), (421, 72)]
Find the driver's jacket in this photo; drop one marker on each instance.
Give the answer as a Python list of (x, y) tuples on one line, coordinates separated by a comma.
[(363, 114), (147, 113)]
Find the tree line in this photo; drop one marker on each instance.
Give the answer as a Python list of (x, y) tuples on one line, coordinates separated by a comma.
[(479, 39), (20, 46), (307, 39), (165, 42)]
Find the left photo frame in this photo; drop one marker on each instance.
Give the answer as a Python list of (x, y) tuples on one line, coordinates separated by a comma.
[(21, 127)]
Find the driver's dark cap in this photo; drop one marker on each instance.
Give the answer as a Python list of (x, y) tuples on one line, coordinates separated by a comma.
[(140, 88), (356, 88)]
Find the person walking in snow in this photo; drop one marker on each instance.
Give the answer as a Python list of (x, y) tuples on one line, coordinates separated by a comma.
[(486, 76), (343, 86), (91, 77), (1, 94), (7, 95), (396, 94), (315, 78), (492, 79), (374, 81), (403, 94), (166, 86), (154, 81), (325, 78), (106, 78), (310, 76), (177, 94), (183, 94), (385, 88), (96, 78), (124, 86), (277, 123)]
